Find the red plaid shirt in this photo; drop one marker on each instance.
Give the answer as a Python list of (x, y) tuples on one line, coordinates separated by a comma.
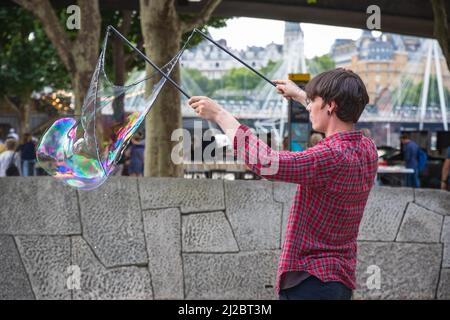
[(333, 180)]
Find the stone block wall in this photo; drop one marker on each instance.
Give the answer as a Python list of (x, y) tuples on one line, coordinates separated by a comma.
[(167, 238)]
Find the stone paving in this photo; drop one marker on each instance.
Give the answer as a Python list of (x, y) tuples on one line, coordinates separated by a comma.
[(166, 238)]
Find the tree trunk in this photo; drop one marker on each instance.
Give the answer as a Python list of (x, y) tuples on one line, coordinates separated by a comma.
[(164, 118), (119, 63), (24, 118), (80, 85), (441, 28), (161, 32), (22, 108), (85, 50)]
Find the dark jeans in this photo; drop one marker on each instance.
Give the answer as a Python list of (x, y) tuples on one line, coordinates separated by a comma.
[(314, 289), (412, 179)]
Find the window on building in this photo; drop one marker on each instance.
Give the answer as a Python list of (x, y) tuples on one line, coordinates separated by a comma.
[(217, 64)]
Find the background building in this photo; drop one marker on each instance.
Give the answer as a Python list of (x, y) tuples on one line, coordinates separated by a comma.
[(384, 62), (213, 62)]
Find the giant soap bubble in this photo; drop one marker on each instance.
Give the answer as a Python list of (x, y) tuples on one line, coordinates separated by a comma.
[(83, 151)]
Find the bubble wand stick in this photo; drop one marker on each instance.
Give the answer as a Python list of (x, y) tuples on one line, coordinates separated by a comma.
[(148, 60)]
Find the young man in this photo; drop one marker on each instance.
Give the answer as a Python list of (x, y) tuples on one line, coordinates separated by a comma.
[(334, 178), (411, 156)]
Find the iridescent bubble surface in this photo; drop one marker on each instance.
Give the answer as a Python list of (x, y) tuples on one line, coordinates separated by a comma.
[(82, 152)]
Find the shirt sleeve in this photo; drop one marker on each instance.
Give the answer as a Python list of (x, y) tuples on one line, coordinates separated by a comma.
[(448, 152), (312, 167)]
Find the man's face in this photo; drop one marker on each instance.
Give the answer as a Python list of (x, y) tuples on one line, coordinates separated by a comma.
[(318, 115)]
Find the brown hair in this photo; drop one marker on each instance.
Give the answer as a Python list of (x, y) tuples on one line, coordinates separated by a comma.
[(11, 144), (404, 136), (27, 137), (345, 88)]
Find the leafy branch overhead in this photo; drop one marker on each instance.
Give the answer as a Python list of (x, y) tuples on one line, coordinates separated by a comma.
[(200, 19), (78, 51)]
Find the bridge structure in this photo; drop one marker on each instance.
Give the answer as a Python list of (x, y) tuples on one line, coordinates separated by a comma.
[(422, 75)]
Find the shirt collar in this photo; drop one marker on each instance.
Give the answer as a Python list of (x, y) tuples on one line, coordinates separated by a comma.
[(354, 135)]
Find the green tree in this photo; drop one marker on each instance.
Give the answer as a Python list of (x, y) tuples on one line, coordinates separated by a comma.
[(441, 26), (240, 79), (245, 79), (78, 49), (200, 84), (121, 57), (163, 28), (236, 79), (319, 64), (266, 70), (410, 93), (28, 62)]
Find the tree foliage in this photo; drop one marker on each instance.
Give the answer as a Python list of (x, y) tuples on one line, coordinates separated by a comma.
[(319, 64), (235, 79), (28, 60), (410, 93)]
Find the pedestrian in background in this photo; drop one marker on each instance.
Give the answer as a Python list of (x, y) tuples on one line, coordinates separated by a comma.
[(10, 159), (136, 154), (411, 157), (12, 135), (2, 146), (315, 138), (28, 155)]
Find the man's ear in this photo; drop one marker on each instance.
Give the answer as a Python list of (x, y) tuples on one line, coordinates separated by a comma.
[(332, 106)]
